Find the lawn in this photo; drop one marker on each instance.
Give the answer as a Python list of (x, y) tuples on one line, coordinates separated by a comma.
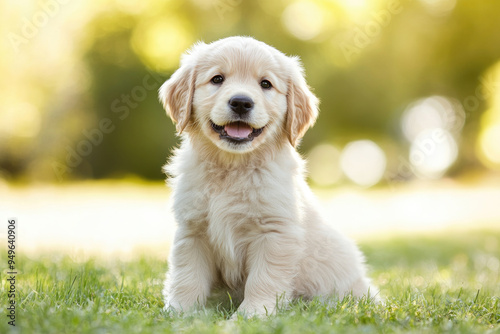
[(444, 283)]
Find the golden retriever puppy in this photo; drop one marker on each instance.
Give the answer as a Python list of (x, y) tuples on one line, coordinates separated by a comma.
[(246, 216)]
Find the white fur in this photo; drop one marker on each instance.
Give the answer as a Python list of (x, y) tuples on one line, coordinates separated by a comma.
[(246, 217)]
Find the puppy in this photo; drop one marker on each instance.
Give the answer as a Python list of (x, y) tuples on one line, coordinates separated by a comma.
[(246, 217)]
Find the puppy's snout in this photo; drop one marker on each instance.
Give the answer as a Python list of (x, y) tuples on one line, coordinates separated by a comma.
[(241, 104)]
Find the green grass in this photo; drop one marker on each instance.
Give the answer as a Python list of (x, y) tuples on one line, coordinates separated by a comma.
[(448, 283)]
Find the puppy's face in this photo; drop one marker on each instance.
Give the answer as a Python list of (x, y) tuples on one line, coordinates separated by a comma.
[(239, 93)]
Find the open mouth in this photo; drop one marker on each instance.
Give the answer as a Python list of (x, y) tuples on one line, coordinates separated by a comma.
[(237, 132)]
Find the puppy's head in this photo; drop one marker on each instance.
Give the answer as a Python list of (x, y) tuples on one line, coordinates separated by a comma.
[(239, 93)]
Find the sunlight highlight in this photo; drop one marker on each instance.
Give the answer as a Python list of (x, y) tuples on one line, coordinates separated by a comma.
[(431, 125), (363, 162), (431, 113), (324, 165), (354, 5), (20, 120), (489, 146), (160, 42), (488, 143), (433, 152), (439, 7), (303, 19)]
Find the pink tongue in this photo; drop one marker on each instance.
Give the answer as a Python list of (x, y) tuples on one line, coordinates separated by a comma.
[(238, 130)]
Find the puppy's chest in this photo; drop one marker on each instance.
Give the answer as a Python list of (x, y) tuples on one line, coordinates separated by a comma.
[(232, 212), (234, 207), (240, 197), (231, 195)]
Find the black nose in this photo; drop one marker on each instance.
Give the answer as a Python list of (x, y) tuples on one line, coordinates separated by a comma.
[(241, 104)]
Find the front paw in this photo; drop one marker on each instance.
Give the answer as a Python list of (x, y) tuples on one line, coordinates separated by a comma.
[(185, 302), (176, 307), (179, 312), (171, 309), (255, 310), (247, 315)]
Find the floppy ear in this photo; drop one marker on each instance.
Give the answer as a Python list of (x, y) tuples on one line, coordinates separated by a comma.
[(302, 105), (176, 94)]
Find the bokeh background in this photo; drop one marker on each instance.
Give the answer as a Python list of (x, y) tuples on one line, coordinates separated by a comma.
[(408, 133)]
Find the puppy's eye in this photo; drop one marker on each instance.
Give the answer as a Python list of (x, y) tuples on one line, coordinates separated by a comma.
[(265, 84), (217, 80)]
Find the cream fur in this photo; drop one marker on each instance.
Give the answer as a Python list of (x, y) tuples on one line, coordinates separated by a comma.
[(246, 217)]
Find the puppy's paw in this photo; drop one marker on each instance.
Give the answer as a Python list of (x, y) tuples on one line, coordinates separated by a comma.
[(170, 311), (245, 315), (248, 310)]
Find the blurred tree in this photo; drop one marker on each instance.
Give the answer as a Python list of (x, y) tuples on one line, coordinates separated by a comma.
[(125, 91), (366, 61)]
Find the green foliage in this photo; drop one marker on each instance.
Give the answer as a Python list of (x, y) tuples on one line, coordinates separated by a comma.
[(106, 50), (361, 96), (428, 284)]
